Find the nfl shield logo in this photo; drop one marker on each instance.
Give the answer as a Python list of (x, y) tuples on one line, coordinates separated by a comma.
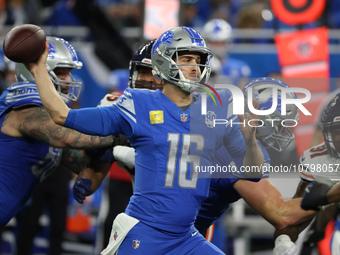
[(184, 117), (135, 244), (115, 236)]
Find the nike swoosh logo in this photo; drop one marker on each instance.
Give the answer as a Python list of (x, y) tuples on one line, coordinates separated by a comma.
[(193, 234)]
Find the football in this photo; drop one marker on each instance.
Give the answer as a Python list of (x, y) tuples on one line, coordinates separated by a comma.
[(24, 43)]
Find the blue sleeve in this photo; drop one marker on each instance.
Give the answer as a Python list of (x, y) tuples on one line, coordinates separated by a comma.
[(101, 121), (235, 144)]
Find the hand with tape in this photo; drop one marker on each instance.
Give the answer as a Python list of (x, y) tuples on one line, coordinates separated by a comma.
[(284, 246)]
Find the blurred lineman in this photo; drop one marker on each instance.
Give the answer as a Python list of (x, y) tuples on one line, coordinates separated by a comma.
[(160, 215), (30, 141)]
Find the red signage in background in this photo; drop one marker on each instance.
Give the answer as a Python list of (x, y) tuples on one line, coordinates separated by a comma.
[(297, 12), (304, 59), (160, 16), (304, 53)]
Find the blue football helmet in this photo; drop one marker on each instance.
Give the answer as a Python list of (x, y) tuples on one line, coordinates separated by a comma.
[(272, 133), (166, 50), (61, 54), (218, 34)]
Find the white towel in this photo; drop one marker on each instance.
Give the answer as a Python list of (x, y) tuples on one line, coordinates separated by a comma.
[(120, 228)]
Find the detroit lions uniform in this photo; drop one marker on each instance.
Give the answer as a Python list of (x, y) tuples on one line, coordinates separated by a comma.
[(222, 192), (24, 161), (169, 144), (317, 165)]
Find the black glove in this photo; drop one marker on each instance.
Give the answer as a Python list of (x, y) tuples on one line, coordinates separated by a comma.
[(120, 140), (102, 154), (81, 187), (315, 195)]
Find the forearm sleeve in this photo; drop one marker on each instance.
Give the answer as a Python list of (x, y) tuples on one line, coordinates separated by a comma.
[(101, 121)]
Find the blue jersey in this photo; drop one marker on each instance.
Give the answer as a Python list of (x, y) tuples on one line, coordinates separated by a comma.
[(234, 71), (23, 161), (222, 192), (234, 68), (170, 144)]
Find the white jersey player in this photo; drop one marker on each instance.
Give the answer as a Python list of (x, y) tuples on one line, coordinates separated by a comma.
[(321, 166), (316, 164)]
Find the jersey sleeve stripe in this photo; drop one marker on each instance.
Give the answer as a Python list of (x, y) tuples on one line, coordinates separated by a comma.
[(17, 98), (210, 233), (127, 94), (127, 113)]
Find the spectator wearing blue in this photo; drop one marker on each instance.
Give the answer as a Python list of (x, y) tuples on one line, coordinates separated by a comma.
[(218, 35)]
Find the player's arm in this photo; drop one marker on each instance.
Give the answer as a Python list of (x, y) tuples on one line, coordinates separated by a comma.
[(36, 123), (285, 237), (48, 94), (91, 121), (89, 179), (74, 160), (254, 155), (96, 172), (265, 199)]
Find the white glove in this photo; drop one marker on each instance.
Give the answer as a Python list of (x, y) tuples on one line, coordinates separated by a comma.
[(284, 246), (125, 155)]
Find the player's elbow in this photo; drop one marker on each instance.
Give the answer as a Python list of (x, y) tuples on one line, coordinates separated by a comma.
[(279, 217), (285, 219), (282, 222), (58, 118)]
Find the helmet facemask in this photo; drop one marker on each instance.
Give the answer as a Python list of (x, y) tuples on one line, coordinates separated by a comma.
[(275, 130), (74, 87), (135, 68), (277, 136), (141, 63), (169, 46), (177, 77)]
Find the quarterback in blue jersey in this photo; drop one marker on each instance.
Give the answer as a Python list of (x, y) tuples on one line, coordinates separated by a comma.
[(30, 142), (171, 139), (262, 196)]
